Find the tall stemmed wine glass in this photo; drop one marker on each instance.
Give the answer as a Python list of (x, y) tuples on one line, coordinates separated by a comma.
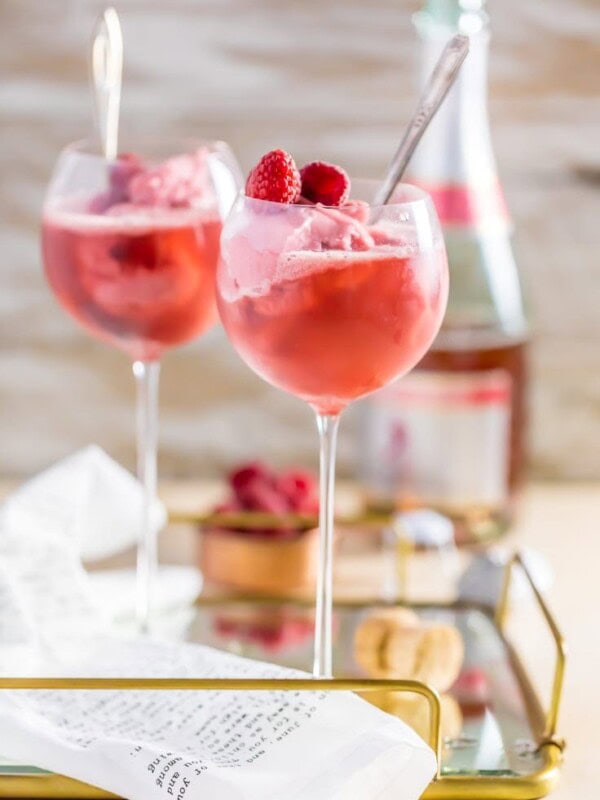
[(330, 304), (130, 248)]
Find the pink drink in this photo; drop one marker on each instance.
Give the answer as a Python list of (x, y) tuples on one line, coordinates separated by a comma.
[(332, 325), (143, 281)]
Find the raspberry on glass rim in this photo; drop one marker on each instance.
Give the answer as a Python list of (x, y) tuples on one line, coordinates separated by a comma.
[(275, 178)]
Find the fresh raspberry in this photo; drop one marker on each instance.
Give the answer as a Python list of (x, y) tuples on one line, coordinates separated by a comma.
[(325, 183), (246, 473), (259, 495), (274, 178), (300, 489)]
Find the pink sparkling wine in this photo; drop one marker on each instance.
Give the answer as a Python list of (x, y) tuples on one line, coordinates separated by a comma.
[(142, 281), (338, 324)]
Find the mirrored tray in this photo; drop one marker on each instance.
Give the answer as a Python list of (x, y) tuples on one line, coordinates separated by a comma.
[(501, 744)]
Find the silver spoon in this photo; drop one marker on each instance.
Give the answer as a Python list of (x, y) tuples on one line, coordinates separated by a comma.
[(107, 71), (442, 78)]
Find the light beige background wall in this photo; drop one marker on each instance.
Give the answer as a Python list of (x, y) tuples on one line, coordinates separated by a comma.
[(323, 78)]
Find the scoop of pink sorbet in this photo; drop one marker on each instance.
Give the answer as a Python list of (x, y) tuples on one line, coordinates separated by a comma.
[(179, 182), (330, 229)]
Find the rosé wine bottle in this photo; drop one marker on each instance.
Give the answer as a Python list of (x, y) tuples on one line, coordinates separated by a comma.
[(470, 390)]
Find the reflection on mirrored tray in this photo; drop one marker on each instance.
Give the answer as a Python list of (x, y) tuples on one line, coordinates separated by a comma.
[(485, 710)]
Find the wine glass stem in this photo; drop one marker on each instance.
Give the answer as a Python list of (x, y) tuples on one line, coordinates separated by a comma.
[(328, 427), (146, 378)]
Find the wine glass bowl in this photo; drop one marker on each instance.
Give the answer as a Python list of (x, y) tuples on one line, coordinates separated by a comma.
[(139, 275), (326, 305)]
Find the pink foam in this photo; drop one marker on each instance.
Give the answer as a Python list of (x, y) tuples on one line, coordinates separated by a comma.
[(125, 218), (252, 243), (267, 246), (182, 182)]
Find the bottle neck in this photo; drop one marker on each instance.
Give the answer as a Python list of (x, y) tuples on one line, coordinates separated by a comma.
[(455, 160)]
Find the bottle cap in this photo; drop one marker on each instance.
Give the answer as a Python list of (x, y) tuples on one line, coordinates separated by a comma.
[(464, 16)]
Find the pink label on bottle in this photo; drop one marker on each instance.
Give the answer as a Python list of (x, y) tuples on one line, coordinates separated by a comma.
[(442, 437), (468, 204)]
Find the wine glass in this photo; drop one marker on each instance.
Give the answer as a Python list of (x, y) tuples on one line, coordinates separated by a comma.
[(130, 248), (330, 304)]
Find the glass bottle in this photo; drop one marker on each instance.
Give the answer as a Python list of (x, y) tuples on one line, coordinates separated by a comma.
[(451, 435)]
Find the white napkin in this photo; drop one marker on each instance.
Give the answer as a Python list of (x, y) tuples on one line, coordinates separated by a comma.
[(137, 744), (114, 590), (87, 499), (222, 745)]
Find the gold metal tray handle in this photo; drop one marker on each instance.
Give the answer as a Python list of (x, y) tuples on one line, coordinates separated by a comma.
[(551, 717), (249, 684)]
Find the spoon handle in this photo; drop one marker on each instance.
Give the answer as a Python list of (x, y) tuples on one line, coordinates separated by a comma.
[(107, 70), (442, 78)]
